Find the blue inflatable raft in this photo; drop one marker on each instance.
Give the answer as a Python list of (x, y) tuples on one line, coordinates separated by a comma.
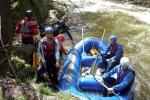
[(75, 78)]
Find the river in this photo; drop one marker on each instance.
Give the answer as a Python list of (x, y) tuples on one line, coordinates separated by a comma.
[(130, 24)]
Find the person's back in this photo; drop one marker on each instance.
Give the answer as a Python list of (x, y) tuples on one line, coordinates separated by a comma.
[(60, 27)]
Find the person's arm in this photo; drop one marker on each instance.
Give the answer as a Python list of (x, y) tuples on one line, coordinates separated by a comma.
[(110, 73), (107, 75), (39, 50), (126, 81), (68, 33), (57, 55), (118, 53), (57, 49), (18, 26), (62, 49), (33, 27), (107, 49), (66, 29), (54, 23)]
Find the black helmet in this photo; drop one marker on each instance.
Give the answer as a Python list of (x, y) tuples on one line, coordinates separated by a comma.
[(65, 18), (29, 13)]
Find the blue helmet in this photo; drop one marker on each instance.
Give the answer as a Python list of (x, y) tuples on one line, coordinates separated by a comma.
[(48, 30), (113, 38)]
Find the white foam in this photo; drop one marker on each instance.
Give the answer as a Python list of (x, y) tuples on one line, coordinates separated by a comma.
[(141, 13)]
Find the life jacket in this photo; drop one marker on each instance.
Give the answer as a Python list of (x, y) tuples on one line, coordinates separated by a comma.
[(121, 75), (49, 47), (24, 28), (113, 49)]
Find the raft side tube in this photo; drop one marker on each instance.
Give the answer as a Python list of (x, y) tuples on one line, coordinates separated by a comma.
[(89, 84), (88, 60)]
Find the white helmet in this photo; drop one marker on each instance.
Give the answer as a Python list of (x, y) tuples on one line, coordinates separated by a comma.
[(124, 61)]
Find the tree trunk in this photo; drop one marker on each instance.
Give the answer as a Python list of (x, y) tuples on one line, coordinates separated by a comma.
[(6, 34)]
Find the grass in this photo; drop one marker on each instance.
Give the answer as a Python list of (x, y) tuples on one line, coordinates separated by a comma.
[(29, 80), (21, 98), (64, 96), (44, 90)]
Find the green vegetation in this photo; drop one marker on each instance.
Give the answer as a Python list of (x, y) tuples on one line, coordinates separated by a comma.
[(64, 96), (44, 90), (29, 80), (21, 98), (0, 93)]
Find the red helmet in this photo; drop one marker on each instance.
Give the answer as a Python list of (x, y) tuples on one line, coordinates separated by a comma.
[(61, 37)]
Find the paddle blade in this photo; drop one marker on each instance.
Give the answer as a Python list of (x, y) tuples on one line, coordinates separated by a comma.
[(36, 59), (94, 67)]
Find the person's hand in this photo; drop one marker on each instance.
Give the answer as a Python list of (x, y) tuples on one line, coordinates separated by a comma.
[(35, 22), (110, 89), (57, 64), (19, 38), (99, 79), (108, 60), (43, 61), (97, 54)]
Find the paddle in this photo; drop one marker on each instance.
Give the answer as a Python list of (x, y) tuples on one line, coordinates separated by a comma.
[(93, 72), (83, 53), (95, 63), (94, 67), (102, 38), (36, 59), (82, 38), (107, 88)]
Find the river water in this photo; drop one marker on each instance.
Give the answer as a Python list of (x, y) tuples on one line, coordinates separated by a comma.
[(130, 24)]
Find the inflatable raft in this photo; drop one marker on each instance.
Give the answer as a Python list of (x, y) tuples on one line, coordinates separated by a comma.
[(75, 78)]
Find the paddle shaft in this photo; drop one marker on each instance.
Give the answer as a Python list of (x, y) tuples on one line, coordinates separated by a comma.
[(102, 37), (111, 91), (107, 88), (82, 39)]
